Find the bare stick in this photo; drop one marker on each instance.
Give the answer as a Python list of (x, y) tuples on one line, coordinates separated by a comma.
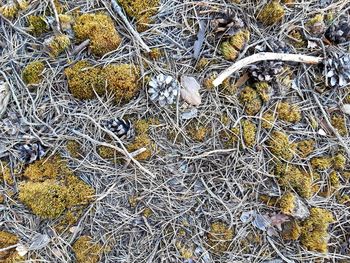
[(119, 11), (80, 47), (263, 57), (58, 25)]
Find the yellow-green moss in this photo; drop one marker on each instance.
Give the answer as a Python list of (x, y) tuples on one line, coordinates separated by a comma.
[(86, 250), (314, 236), (2, 198), (287, 203), (155, 53), (84, 79), (230, 137), (219, 237), (37, 25), (66, 21), (228, 87), (339, 161), (6, 174), (291, 230), (186, 251), (251, 100), (305, 147), (268, 200), (240, 39), (263, 88), (57, 44), (321, 163), (122, 81), (291, 176), (100, 29), (334, 180), (316, 24), (228, 51), (208, 81), (288, 112), (141, 10), (32, 73), (280, 146), (198, 132), (268, 120), (142, 140), (6, 240), (106, 152), (271, 13), (338, 121), (12, 9), (248, 133), (202, 64), (74, 149)]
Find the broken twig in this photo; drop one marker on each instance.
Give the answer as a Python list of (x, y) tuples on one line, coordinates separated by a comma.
[(119, 11), (263, 57)]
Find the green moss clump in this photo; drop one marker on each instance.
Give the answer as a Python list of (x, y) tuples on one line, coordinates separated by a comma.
[(292, 176), (11, 10), (84, 79), (339, 161), (249, 132), (202, 64), (219, 237), (57, 44), (287, 203), (297, 40), (106, 152), (87, 251), (74, 149), (155, 54), (291, 230), (99, 28), (6, 240), (251, 100), (32, 73), (198, 132), (268, 120), (280, 146), (141, 10), (38, 25), (5, 174), (263, 88), (208, 81), (122, 81), (271, 13), (314, 236), (338, 122), (186, 251), (305, 147), (321, 163), (142, 140), (231, 48), (288, 112), (316, 25), (334, 180)]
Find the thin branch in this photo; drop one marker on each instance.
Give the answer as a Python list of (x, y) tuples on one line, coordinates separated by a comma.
[(264, 56), (119, 11), (57, 19)]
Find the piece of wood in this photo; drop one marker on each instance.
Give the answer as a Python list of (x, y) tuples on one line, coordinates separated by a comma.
[(264, 56)]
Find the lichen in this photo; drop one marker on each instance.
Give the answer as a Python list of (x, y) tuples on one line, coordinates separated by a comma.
[(338, 121), (84, 79), (57, 44), (248, 133), (288, 112), (305, 147), (251, 100), (86, 250), (291, 230), (37, 25), (99, 28), (280, 146), (219, 237), (271, 13), (32, 73), (141, 10), (314, 236), (6, 240), (287, 203), (292, 176), (74, 149), (263, 88)]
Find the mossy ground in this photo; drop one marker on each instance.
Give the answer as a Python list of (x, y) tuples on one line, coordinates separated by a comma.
[(86, 250), (32, 73), (220, 237)]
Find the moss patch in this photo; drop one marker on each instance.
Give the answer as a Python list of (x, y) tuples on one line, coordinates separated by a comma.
[(32, 73), (321, 163), (37, 25), (198, 132), (57, 44), (305, 147), (251, 100), (6, 174), (338, 121), (268, 120), (219, 237), (100, 29), (141, 10), (271, 13), (280, 146), (6, 240), (291, 230), (314, 236), (230, 49), (288, 112), (86, 250), (249, 133), (74, 149), (287, 203)]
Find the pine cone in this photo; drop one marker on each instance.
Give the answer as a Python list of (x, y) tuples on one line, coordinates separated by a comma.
[(31, 152), (339, 32), (338, 66), (123, 129), (226, 24), (163, 89)]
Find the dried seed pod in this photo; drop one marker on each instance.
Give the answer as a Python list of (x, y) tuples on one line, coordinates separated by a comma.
[(338, 66), (122, 128), (31, 152), (226, 24), (163, 89), (339, 32)]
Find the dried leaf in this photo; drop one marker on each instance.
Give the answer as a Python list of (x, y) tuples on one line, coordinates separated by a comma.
[(189, 114), (200, 40), (247, 216), (190, 90), (22, 250), (277, 220), (4, 97), (261, 222), (346, 108), (39, 241)]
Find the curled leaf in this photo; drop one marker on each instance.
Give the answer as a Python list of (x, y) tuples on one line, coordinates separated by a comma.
[(190, 91)]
